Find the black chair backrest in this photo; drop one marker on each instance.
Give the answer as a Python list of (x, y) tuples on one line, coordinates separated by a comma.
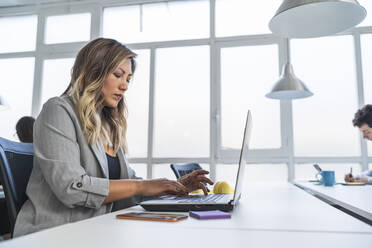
[(183, 169), (16, 162)]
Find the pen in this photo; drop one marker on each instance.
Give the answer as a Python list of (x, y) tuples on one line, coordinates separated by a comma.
[(351, 171)]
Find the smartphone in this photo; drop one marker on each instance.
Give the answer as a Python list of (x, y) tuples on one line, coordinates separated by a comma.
[(152, 216), (317, 167)]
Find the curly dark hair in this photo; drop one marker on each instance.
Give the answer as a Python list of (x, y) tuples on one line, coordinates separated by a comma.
[(24, 128), (363, 116)]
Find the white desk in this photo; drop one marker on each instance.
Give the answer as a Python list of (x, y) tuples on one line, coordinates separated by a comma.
[(357, 199), (275, 215)]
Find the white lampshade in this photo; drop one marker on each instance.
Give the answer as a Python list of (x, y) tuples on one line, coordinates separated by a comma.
[(289, 86), (3, 105), (315, 18)]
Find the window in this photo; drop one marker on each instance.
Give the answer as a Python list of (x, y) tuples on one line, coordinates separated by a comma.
[(252, 173), (366, 43), (56, 77), (137, 99), (182, 102), (67, 28), (16, 89), (169, 99), (140, 169), (156, 22), (242, 17), (247, 74), (163, 171), (322, 123), (18, 33)]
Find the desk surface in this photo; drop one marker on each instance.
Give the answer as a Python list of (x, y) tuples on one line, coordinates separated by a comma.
[(269, 215), (357, 199)]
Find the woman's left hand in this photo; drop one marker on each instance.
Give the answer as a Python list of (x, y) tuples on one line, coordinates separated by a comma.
[(194, 181)]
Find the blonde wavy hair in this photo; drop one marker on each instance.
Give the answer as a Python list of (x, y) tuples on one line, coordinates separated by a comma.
[(92, 66)]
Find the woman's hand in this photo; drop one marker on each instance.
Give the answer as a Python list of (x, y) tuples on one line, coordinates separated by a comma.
[(194, 181), (161, 186)]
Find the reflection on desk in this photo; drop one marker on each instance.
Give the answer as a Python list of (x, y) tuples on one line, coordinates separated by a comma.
[(357, 199)]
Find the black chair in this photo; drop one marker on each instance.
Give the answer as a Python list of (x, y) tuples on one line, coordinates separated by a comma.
[(16, 162), (183, 169)]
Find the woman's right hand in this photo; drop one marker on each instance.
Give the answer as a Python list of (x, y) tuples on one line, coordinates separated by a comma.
[(161, 186)]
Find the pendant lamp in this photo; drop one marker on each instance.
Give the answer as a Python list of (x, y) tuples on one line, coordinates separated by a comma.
[(289, 86), (315, 18), (3, 105)]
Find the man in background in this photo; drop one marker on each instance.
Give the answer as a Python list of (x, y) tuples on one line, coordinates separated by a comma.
[(363, 120), (24, 128)]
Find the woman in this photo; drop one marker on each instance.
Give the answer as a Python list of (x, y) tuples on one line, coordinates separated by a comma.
[(80, 167)]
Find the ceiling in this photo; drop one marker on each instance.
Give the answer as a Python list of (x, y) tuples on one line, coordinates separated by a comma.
[(14, 3), (17, 3)]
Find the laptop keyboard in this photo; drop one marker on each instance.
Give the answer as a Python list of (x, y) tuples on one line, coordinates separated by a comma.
[(212, 198)]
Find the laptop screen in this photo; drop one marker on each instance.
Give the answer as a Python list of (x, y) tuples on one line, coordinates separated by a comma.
[(243, 157)]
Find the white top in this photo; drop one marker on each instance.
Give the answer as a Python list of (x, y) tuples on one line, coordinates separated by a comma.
[(368, 174), (269, 215), (357, 199)]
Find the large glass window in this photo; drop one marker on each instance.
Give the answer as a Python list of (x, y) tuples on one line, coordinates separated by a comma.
[(242, 17), (56, 77), (247, 68), (253, 173), (182, 89), (18, 33), (247, 74), (156, 22), (140, 169), (322, 122), (67, 28), (366, 41), (16, 89), (163, 171), (137, 98)]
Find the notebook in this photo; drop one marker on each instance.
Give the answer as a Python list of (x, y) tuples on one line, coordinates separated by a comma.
[(224, 202), (209, 215)]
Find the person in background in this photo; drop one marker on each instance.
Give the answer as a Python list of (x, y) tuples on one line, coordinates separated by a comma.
[(80, 165), (24, 128), (363, 120)]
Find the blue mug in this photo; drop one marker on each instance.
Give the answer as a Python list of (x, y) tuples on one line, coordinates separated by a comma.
[(326, 177)]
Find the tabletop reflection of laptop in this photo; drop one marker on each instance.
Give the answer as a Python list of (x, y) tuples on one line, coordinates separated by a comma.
[(224, 202)]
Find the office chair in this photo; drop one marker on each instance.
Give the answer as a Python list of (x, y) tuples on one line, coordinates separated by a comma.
[(16, 162), (183, 169)]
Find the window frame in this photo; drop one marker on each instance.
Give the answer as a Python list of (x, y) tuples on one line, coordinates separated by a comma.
[(218, 155)]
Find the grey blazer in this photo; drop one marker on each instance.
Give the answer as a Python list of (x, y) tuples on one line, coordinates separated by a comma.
[(69, 180)]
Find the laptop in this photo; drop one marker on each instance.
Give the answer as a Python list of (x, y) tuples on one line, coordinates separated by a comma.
[(224, 202)]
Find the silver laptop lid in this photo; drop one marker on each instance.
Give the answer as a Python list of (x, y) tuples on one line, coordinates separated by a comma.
[(243, 158)]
